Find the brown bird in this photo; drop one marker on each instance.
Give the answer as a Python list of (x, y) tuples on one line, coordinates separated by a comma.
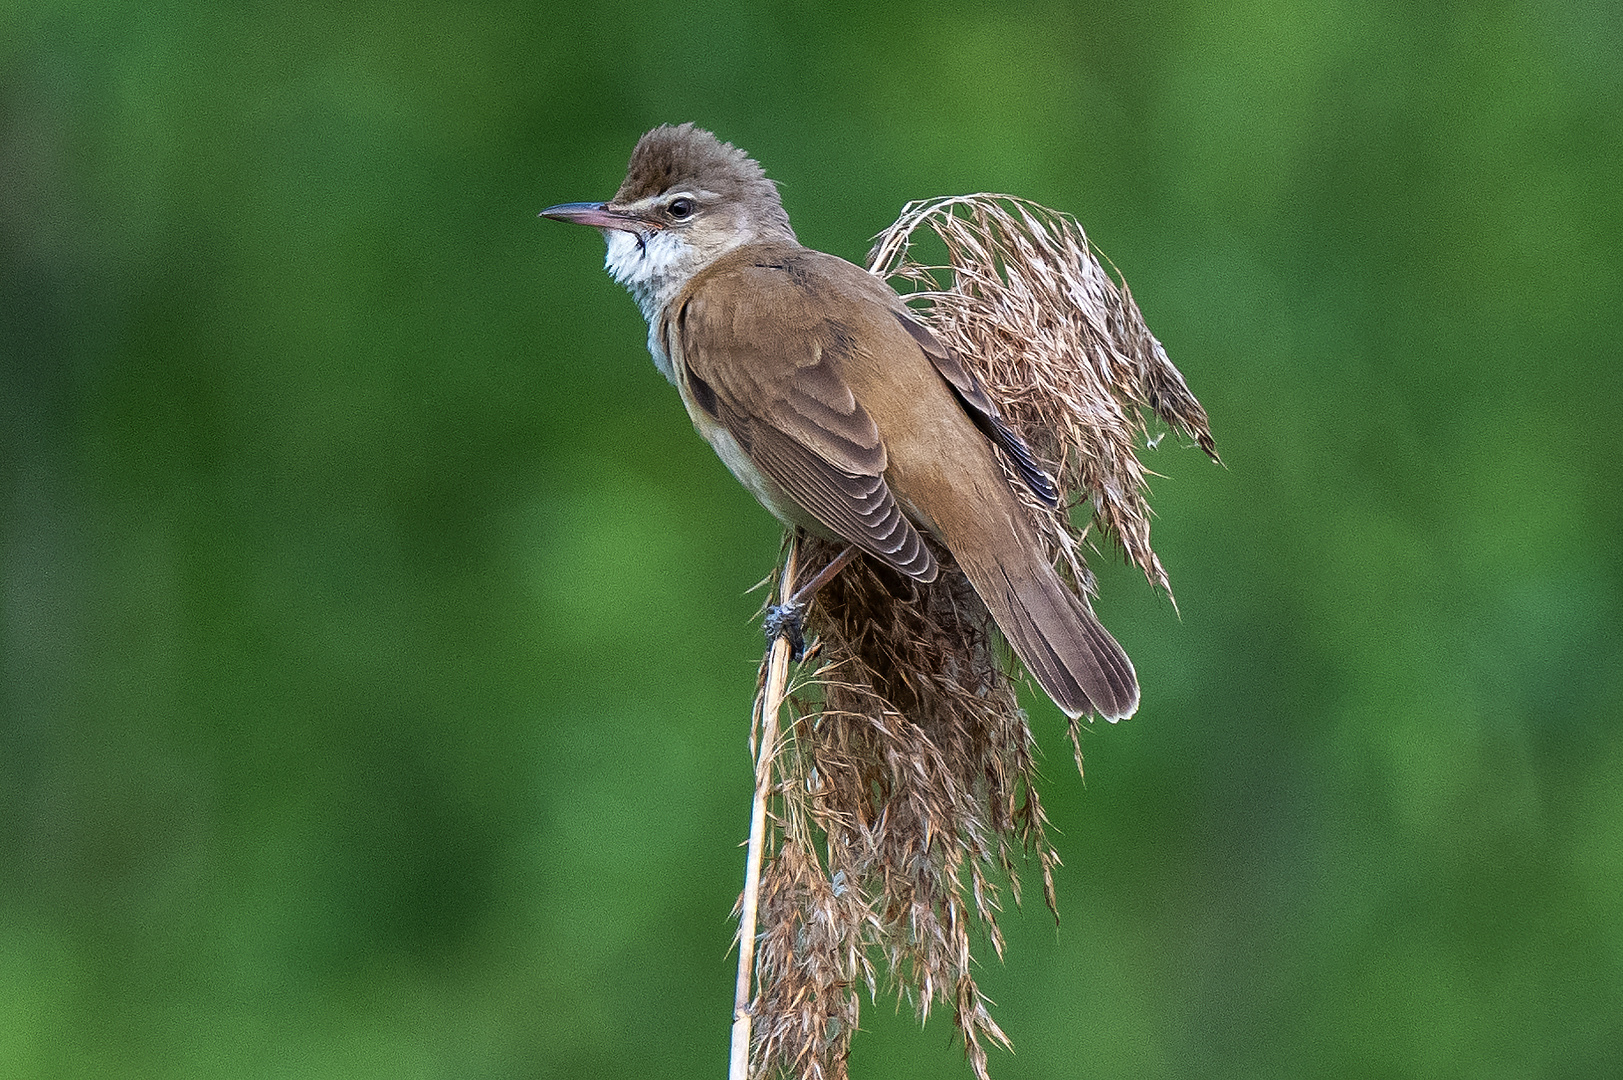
[(834, 406)]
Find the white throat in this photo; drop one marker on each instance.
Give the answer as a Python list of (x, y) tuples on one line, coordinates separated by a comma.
[(655, 266)]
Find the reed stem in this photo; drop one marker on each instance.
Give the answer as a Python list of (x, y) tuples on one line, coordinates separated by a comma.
[(768, 702)]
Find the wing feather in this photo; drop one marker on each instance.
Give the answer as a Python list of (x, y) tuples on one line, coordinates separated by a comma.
[(980, 407), (769, 364)]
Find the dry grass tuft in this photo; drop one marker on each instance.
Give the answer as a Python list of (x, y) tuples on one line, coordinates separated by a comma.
[(907, 790), (909, 767), (1063, 349)]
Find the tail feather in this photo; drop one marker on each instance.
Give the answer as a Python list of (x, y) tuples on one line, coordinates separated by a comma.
[(1061, 642)]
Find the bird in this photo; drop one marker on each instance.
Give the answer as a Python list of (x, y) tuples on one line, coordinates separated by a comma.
[(828, 398)]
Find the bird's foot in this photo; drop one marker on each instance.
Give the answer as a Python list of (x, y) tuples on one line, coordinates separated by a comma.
[(787, 621)]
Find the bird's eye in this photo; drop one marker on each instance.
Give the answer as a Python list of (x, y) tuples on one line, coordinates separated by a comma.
[(680, 208)]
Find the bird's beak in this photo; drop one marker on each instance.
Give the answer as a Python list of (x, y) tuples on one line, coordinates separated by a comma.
[(599, 216)]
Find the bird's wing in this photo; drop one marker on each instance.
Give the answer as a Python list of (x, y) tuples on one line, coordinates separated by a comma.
[(966, 386), (763, 359)]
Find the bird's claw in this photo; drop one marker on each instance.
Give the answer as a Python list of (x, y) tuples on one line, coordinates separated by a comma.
[(787, 621)]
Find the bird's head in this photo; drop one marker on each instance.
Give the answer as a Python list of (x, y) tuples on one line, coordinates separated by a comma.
[(688, 199)]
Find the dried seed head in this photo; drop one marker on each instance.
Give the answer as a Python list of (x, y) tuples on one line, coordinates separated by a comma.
[(908, 777), (1063, 348)]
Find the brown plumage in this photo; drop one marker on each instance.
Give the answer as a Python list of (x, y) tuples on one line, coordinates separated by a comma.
[(835, 407), (907, 779)]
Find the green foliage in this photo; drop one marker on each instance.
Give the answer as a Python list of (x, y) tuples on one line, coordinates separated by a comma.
[(376, 658)]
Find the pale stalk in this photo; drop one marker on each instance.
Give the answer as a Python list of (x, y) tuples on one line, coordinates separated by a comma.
[(768, 702)]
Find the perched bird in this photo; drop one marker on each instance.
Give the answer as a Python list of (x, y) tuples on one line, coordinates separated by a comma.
[(837, 409)]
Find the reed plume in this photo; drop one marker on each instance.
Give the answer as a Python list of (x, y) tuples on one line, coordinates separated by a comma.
[(904, 796)]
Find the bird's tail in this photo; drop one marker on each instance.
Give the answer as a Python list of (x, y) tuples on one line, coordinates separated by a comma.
[(1059, 639)]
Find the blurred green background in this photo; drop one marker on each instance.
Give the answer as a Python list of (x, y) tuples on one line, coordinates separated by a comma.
[(376, 650)]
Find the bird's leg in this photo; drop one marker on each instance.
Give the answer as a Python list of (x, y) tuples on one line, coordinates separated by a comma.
[(803, 595), (789, 617)]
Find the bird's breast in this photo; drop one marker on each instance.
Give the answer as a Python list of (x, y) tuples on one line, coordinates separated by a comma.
[(757, 483), (667, 351)]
